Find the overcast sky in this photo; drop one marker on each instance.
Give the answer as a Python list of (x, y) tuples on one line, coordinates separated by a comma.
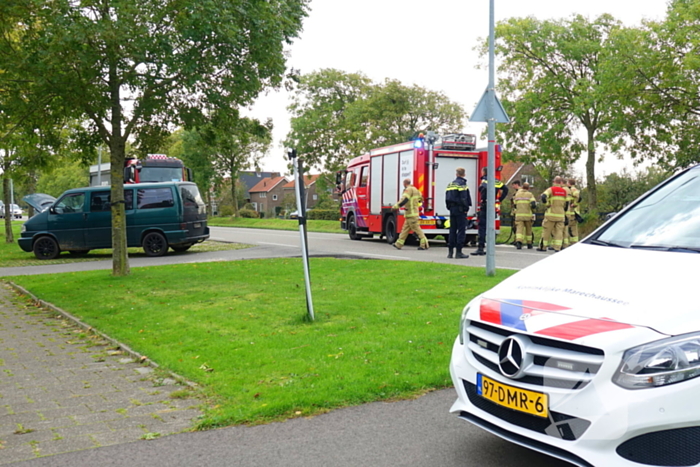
[(428, 43)]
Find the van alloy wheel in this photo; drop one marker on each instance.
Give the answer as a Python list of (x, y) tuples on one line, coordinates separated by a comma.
[(46, 248), (155, 244)]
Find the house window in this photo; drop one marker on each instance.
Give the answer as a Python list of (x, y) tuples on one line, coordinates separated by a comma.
[(263, 195), (274, 197), (315, 197), (528, 179)]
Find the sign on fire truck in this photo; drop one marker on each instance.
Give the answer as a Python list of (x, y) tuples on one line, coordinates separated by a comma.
[(372, 184)]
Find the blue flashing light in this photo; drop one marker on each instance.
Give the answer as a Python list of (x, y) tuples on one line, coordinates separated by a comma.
[(418, 143)]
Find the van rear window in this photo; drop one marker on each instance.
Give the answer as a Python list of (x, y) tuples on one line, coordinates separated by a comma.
[(152, 198)]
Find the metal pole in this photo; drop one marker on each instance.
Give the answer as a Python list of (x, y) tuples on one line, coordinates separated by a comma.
[(491, 163), (302, 231)]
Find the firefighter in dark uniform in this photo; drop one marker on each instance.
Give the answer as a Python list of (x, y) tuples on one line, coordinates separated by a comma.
[(501, 193), (458, 201)]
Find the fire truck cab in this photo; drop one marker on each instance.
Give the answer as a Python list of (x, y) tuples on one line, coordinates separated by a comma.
[(372, 184)]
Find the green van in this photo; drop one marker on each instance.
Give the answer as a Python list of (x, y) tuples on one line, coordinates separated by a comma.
[(158, 216)]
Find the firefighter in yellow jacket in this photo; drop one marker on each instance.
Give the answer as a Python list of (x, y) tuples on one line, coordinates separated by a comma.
[(556, 198), (410, 202), (525, 205), (572, 214)]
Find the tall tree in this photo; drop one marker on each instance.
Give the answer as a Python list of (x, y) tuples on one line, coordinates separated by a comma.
[(656, 70), (337, 116), (320, 130), (554, 88), (132, 66)]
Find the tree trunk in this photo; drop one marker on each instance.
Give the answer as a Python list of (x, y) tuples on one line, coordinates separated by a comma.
[(9, 238), (117, 153), (590, 173), (234, 180)]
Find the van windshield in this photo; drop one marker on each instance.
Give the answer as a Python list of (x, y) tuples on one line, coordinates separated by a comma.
[(668, 219)]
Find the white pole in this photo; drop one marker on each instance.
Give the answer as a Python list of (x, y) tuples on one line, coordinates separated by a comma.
[(301, 210)]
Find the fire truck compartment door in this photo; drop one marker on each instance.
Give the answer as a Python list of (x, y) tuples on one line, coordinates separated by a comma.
[(446, 173)]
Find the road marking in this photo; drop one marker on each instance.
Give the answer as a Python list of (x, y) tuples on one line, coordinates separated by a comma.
[(378, 256)]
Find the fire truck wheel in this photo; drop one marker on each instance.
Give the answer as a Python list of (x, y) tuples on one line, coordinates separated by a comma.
[(154, 244), (390, 230), (352, 228), (46, 248)]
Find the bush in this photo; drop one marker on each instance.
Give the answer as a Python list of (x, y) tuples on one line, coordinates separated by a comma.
[(248, 213), (324, 214), (226, 210)]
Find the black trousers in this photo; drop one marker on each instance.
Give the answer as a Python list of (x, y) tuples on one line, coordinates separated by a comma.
[(458, 227), (482, 229)]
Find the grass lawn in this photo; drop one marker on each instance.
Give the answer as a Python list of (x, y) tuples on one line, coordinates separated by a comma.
[(11, 255), (275, 224), (383, 330)]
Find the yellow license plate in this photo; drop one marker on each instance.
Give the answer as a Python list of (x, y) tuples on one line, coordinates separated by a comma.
[(427, 222), (522, 400)]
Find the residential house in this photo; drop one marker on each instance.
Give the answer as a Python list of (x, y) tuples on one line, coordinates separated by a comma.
[(251, 178), (310, 195), (267, 195)]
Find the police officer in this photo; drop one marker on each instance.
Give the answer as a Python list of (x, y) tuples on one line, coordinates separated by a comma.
[(410, 201), (556, 198), (525, 205), (458, 201), (572, 214), (501, 193)]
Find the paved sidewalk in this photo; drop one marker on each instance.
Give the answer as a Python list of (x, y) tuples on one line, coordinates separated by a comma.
[(63, 391)]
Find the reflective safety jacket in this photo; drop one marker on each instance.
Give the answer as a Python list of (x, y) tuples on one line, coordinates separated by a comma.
[(524, 204), (501, 193), (557, 200), (410, 201), (574, 199), (457, 195)]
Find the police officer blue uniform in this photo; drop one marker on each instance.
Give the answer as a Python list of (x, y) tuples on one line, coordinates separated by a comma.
[(458, 201)]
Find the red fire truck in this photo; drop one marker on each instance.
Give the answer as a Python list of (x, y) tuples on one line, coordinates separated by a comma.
[(156, 168), (372, 184)]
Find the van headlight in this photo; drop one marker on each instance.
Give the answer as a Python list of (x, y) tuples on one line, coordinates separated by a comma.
[(660, 363)]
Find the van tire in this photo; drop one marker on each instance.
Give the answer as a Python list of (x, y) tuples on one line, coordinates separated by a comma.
[(46, 248), (154, 244)]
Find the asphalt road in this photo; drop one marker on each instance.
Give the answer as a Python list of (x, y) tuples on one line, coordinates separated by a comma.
[(418, 432), (288, 242)]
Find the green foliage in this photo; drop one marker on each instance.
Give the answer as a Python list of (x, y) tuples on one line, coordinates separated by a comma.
[(324, 214), (555, 89), (132, 68), (236, 328), (618, 190), (248, 213), (71, 175), (656, 71), (337, 116)]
